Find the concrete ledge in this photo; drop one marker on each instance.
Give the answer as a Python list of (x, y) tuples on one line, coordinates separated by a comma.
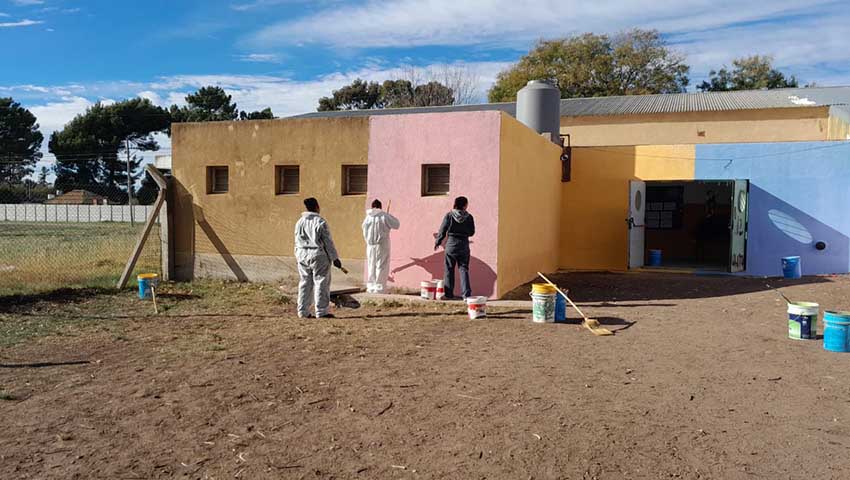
[(375, 297)]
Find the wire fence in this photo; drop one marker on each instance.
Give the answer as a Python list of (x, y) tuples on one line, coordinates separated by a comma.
[(77, 237)]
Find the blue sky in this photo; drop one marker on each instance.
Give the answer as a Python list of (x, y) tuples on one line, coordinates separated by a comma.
[(60, 56)]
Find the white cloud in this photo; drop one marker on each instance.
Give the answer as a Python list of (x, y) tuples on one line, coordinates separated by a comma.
[(259, 58), (26, 3), (154, 97), (22, 23), (4, 14), (53, 116)]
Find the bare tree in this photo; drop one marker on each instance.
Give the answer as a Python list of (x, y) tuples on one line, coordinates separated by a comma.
[(461, 78)]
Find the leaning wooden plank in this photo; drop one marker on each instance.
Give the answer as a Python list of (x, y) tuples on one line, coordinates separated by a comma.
[(140, 244)]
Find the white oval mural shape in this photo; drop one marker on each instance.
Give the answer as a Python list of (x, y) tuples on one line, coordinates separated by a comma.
[(790, 226)]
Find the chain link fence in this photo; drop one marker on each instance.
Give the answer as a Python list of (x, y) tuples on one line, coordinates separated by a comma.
[(79, 236)]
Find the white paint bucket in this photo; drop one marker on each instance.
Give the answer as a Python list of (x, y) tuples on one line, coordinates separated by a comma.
[(477, 307), (428, 290), (441, 291), (543, 307)]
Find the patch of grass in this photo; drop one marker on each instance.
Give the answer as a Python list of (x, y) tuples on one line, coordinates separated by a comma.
[(39, 256), (216, 348), (7, 396)]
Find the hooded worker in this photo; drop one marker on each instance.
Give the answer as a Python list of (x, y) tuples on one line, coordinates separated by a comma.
[(376, 232), (314, 252), (458, 225)]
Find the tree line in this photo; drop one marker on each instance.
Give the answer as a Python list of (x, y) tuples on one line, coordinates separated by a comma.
[(92, 149)]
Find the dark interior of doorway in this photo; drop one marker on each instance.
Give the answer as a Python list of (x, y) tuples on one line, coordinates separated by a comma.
[(689, 222)]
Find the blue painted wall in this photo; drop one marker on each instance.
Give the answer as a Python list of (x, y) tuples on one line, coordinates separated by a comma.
[(799, 195)]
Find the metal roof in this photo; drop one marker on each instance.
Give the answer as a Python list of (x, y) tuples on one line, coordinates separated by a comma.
[(646, 104)]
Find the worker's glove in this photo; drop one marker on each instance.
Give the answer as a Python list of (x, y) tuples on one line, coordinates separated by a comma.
[(338, 264)]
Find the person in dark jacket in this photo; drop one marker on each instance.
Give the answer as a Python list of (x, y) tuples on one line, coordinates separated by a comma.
[(458, 225)]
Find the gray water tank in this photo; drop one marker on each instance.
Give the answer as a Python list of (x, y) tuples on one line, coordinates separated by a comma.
[(538, 106)]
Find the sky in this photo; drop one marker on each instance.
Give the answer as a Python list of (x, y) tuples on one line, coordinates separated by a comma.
[(60, 56)]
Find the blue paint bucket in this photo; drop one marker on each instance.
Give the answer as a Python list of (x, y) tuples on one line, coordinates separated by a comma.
[(792, 267), (655, 258), (803, 320), (146, 282), (836, 331), (560, 308)]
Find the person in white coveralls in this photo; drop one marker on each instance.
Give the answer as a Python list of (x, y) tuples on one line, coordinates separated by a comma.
[(376, 232), (315, 253)]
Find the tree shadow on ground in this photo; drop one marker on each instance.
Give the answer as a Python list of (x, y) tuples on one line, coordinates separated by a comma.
[(587, 287), (17, 303)]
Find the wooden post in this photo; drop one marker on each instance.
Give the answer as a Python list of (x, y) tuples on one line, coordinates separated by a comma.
[(140, 244)]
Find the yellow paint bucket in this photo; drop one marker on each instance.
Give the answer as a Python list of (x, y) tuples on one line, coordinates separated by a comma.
[(543, 289)]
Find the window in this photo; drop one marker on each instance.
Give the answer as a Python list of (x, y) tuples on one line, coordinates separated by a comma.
[(287, 179), (217, 180), (435, 180), (354, 179)]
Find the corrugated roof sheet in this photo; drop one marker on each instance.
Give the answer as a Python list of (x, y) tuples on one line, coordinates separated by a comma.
[(647, 104)]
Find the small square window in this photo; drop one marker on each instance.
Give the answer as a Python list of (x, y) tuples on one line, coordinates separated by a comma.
[(287, 179), (217, 180), (354, 179), (435, 180)]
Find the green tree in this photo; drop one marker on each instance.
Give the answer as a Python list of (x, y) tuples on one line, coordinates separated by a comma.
[(633, 62), (20, 141), (264, 114), (362, 95), (748, 73), (88, 148), (208, 104)]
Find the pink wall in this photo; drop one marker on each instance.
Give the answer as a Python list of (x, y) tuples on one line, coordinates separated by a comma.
[(398, 147)]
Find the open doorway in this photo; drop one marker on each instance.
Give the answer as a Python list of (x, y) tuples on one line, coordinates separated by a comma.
[(694, 224)]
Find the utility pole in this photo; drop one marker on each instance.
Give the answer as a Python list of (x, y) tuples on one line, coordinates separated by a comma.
[(129, 184)]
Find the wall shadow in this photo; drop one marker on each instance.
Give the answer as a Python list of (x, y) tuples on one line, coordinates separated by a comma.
[(778, 229), (481, 277), (586, 287)]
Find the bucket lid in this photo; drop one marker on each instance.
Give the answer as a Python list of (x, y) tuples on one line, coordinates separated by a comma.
[(542, 288), (476, 300), (147, 276), (803, 308)]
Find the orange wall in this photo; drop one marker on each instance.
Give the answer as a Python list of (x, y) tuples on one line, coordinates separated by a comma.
[(529, 205), (594, 233)]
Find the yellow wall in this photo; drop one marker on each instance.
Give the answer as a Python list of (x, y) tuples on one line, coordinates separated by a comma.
[(839, 128), (251, 219), (594, 233), (741, 126), (529, 205)]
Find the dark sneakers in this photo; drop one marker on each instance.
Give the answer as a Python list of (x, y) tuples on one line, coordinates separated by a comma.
[(327, 315)]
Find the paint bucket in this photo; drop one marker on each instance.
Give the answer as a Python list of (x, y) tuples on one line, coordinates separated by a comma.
[(440, 291), (428, 290), (146, 281), (792, 267), (477, 307), (836, 331), (543, 307), (560, 308), (542, 288), (654, 258), (803, 320)]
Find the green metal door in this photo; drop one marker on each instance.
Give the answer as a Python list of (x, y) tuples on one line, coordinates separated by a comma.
[(738, 226)]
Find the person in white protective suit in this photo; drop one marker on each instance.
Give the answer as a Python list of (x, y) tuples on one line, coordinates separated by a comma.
[(376, 232), (314, 252)]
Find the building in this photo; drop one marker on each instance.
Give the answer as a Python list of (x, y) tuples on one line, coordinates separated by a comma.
[(665, 172), (77, 197)]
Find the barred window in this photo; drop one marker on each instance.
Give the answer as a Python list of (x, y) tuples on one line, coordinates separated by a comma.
[(435, 180), (354, 179), (217, 180), (287, 179)]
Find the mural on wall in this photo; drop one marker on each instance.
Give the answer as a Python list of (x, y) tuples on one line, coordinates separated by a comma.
[(798, 198)]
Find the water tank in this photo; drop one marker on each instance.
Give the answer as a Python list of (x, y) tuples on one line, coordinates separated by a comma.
[(538, 106)]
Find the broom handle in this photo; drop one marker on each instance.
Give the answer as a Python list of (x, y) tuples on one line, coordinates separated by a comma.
[(563, 295), (153, 294)]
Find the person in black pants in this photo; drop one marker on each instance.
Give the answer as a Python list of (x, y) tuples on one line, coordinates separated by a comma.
[(458, 225)]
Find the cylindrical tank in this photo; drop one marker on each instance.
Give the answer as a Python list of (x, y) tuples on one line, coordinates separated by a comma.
[(538, 106)]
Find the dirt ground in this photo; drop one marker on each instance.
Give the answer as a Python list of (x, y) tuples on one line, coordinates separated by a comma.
[(700, 381)]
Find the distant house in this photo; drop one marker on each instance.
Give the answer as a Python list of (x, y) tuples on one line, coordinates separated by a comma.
[(77, 197)]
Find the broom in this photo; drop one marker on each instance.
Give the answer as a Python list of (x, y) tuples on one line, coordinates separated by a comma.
[(591, 324)]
